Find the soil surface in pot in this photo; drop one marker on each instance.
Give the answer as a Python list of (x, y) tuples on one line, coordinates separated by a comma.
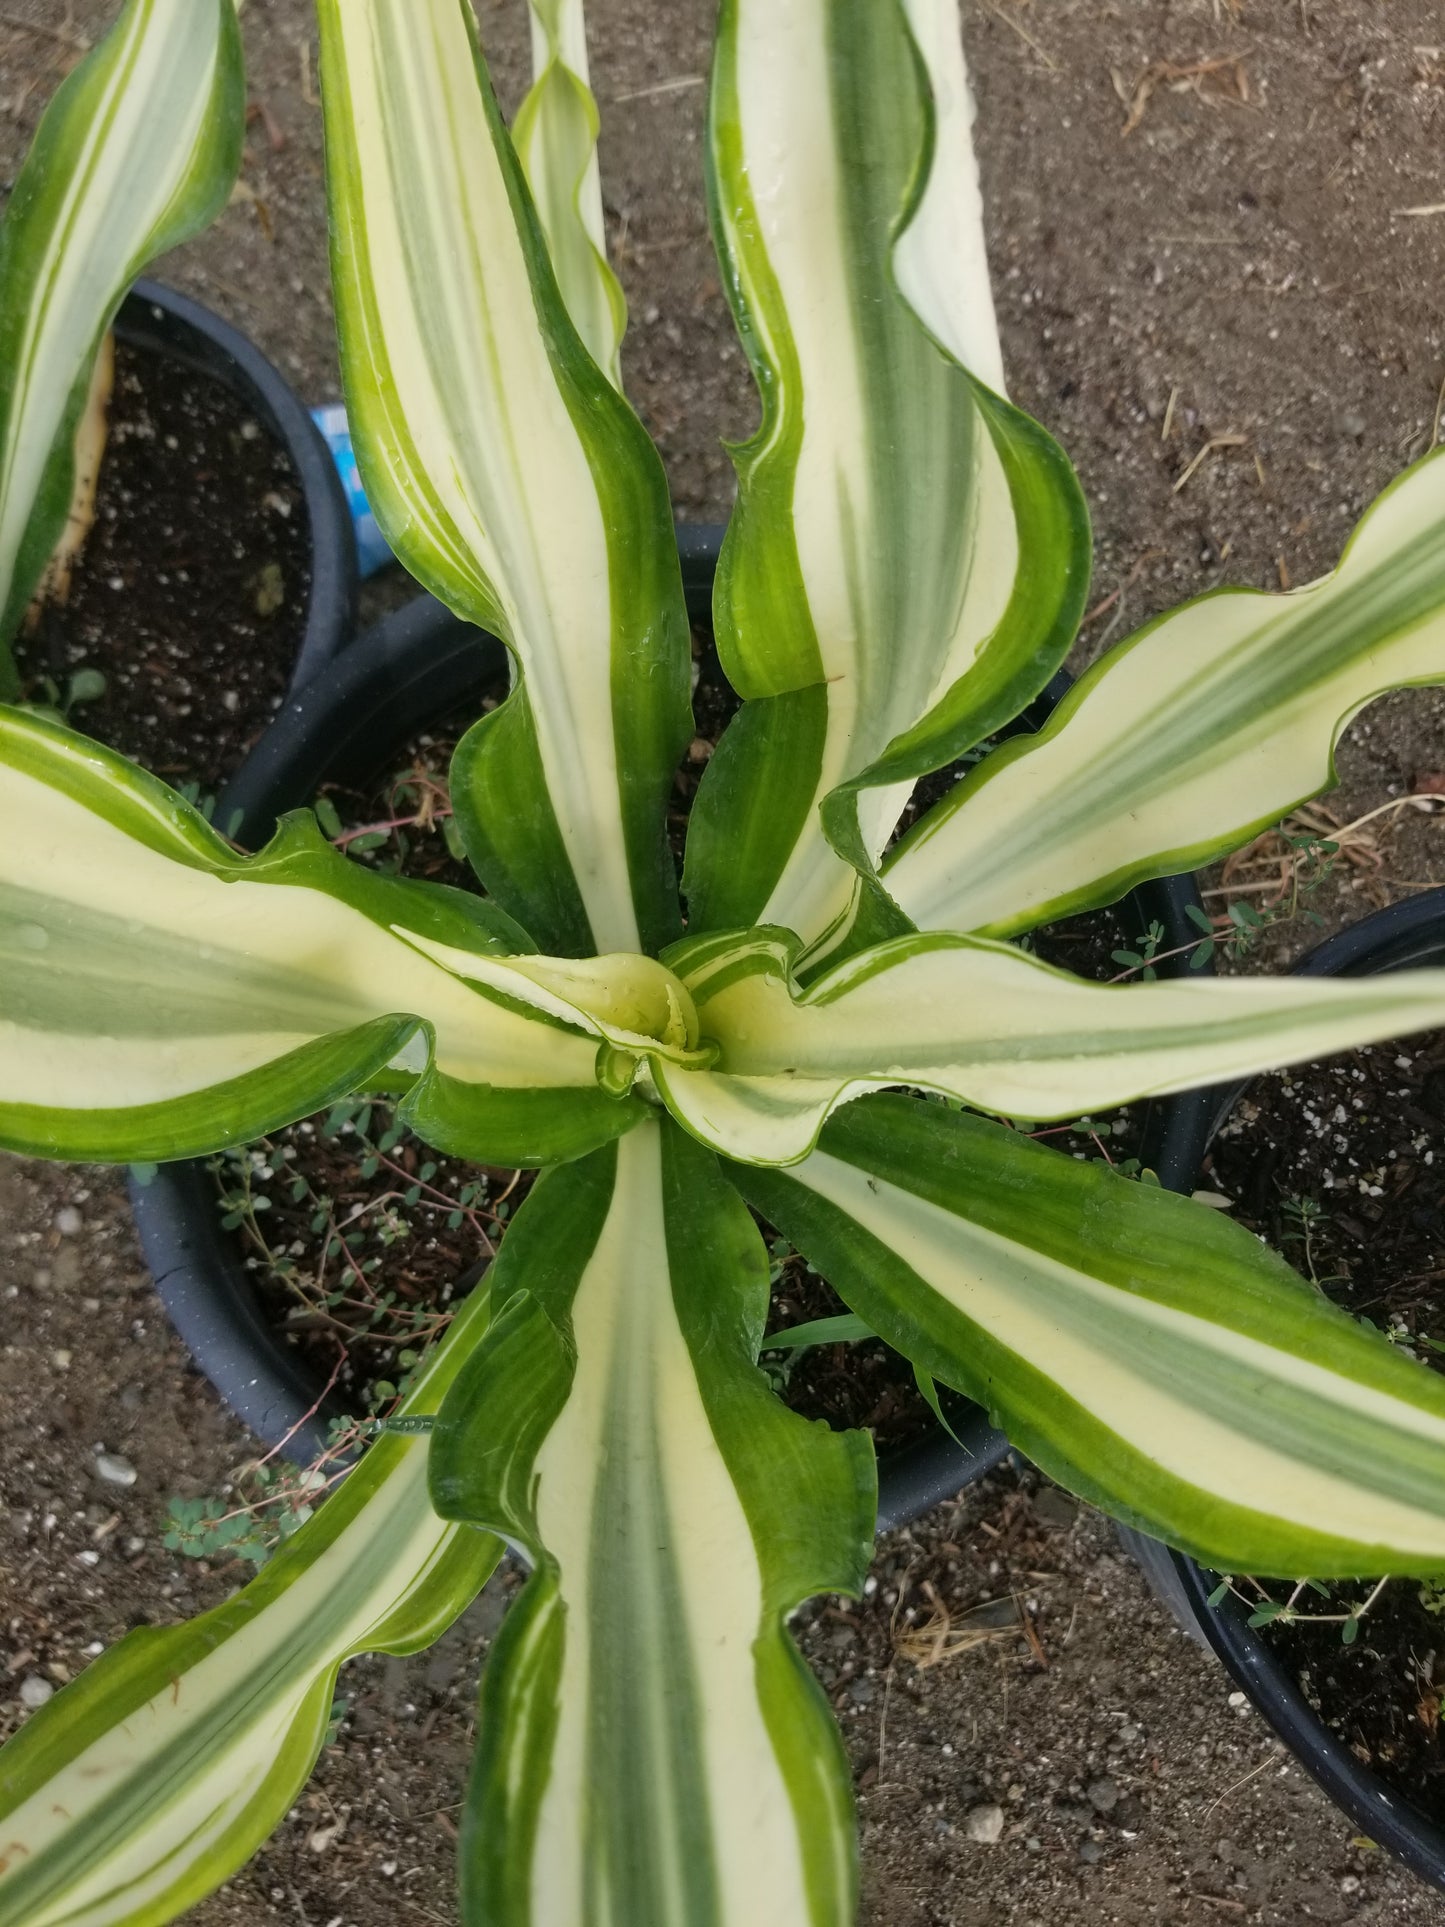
[(1341, 1166), (190, 595)]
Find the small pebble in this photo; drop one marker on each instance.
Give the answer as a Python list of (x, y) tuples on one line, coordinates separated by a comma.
[(35, 1691), (985, 1825), (68, 1221), (1103, 1795), (1055, 1509), (114, 1469), (1352, 424), (1090, 1852), (861, 1691)]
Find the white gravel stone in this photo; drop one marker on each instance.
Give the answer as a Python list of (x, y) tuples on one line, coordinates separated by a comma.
[(68, 1221), (114, 1469), (35, 1691), (984, 1824)]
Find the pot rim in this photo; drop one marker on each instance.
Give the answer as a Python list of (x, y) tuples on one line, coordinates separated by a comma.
[(1406, 933), (165, 322)]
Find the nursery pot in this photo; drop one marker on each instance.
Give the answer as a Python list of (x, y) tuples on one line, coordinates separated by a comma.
[(418, 666), (181, 331), (1407, 935)]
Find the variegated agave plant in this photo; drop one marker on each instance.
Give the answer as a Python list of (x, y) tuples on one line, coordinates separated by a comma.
[(904, 571)]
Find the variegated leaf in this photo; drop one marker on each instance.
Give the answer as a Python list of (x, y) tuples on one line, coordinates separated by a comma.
[(652, 1748), (992, 1025), (163, 996), (908, 557), (510, 477), (1144, 1350), (634, 1004), (1205, 728), (157, 1773), (137, 151), (556, 139)]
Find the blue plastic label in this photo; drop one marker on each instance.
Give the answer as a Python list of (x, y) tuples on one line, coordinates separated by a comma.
[(372, 552)]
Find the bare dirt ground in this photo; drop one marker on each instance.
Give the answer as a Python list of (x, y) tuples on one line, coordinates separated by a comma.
[(1242, 253)]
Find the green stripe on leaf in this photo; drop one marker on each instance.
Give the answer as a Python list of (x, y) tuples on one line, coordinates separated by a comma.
[(1144, 1350), (651, 1747)]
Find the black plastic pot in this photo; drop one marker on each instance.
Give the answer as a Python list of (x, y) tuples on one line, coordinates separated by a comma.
[(413, 669), (1407, 935), (159, 321)]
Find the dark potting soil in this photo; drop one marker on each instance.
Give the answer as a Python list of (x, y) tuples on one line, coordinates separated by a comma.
[(403, 825), (359, 1238), (863, 1385), (1381, 1694), (1341, 1166), (713, 707), (190, 595)]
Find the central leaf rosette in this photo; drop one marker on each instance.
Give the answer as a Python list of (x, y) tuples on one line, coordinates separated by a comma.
[(635, 1006), (752, 1057)]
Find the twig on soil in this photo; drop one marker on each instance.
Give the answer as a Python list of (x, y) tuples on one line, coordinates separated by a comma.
[(1214, 442), (1363, 852), (259, 109), (1023, 33), (940, 1639), (307, 1416), (1179, 79), (674, 86), (1253, 1774), (883, 1719), (422, 820), (1149, 555), (1026, 1624)]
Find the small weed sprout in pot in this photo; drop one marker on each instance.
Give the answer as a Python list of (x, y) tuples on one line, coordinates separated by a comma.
[(905, 570)]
